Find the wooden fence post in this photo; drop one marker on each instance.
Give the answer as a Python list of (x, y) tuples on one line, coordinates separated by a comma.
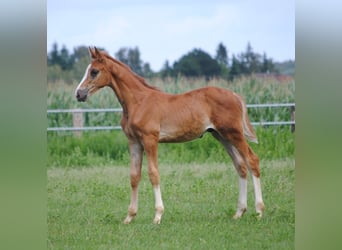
[(77, 118)]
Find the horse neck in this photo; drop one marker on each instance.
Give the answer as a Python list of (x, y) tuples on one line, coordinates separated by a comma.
[(128, 87)]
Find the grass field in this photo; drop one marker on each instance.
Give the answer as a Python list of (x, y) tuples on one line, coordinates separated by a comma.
[(86, 207)]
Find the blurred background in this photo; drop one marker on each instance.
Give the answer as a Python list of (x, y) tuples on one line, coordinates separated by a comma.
[(168, 38)]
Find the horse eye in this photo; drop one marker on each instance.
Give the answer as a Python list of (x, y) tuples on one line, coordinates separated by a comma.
[(93, 73)]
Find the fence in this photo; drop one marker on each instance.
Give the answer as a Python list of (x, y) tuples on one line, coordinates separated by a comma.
[(78, 118)]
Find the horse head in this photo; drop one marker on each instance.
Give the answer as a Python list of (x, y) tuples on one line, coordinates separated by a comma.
[(95, 77)]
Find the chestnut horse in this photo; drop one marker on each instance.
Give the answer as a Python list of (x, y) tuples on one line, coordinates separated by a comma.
[(151, 116)]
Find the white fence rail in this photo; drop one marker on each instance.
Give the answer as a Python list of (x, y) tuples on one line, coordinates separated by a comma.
[(78, 117)]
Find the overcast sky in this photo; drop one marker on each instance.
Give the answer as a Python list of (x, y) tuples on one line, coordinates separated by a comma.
[(166, 30)]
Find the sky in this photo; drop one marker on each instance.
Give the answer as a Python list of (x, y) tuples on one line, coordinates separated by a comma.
[(167, 30)]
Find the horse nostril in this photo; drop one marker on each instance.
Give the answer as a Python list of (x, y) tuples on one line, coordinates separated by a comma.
[(81, 95)]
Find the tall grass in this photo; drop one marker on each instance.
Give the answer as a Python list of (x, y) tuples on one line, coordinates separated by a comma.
[(254, 90)]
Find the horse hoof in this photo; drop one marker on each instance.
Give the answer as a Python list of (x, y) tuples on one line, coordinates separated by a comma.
[(235, 217), (157, 221), (259, 216), (128, 220), (158, 215), (239, 213)]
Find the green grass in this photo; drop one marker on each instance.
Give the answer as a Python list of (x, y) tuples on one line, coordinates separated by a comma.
[(86, 207), (111, 148)]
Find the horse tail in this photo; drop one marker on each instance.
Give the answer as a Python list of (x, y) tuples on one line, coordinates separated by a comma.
[(248, 129)]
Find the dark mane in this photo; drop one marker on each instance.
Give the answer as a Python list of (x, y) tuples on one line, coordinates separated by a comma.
[(141, 79)]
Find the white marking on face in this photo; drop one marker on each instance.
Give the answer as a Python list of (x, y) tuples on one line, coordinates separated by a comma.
[(83, 79)]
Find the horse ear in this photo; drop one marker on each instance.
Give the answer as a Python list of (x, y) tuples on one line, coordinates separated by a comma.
[(95, 53), (92, 53)]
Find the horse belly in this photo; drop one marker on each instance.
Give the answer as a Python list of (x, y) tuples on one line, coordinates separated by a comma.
[(187, 120), (182, 133), (178, 137)]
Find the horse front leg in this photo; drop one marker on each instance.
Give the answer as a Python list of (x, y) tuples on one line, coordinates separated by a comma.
[(151, 148), (136, 154)]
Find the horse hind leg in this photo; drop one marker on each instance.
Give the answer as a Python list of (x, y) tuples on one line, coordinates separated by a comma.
[(254, 168), (244, 158), (241, 169), (251, 159)]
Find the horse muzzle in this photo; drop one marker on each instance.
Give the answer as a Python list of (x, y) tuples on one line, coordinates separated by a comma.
[(82, 94)]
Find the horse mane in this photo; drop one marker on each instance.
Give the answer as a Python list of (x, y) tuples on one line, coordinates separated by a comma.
[(138, 77)]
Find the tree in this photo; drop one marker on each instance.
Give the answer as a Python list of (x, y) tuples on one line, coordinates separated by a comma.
[(252, 60), (63, 65), (66, 60), (131, 57), (167, 70), (241, 63), (61, 58), (222, 55), (81, 52), (53, 56), (235, 69), (267, 65), (249, 62), (146, 70), (197, 63), (222, 58), (122, 55)]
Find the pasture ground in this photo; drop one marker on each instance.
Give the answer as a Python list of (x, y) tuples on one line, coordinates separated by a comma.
[(86, 207)]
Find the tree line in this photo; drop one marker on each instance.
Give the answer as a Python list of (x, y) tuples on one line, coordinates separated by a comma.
[(69, 66)]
